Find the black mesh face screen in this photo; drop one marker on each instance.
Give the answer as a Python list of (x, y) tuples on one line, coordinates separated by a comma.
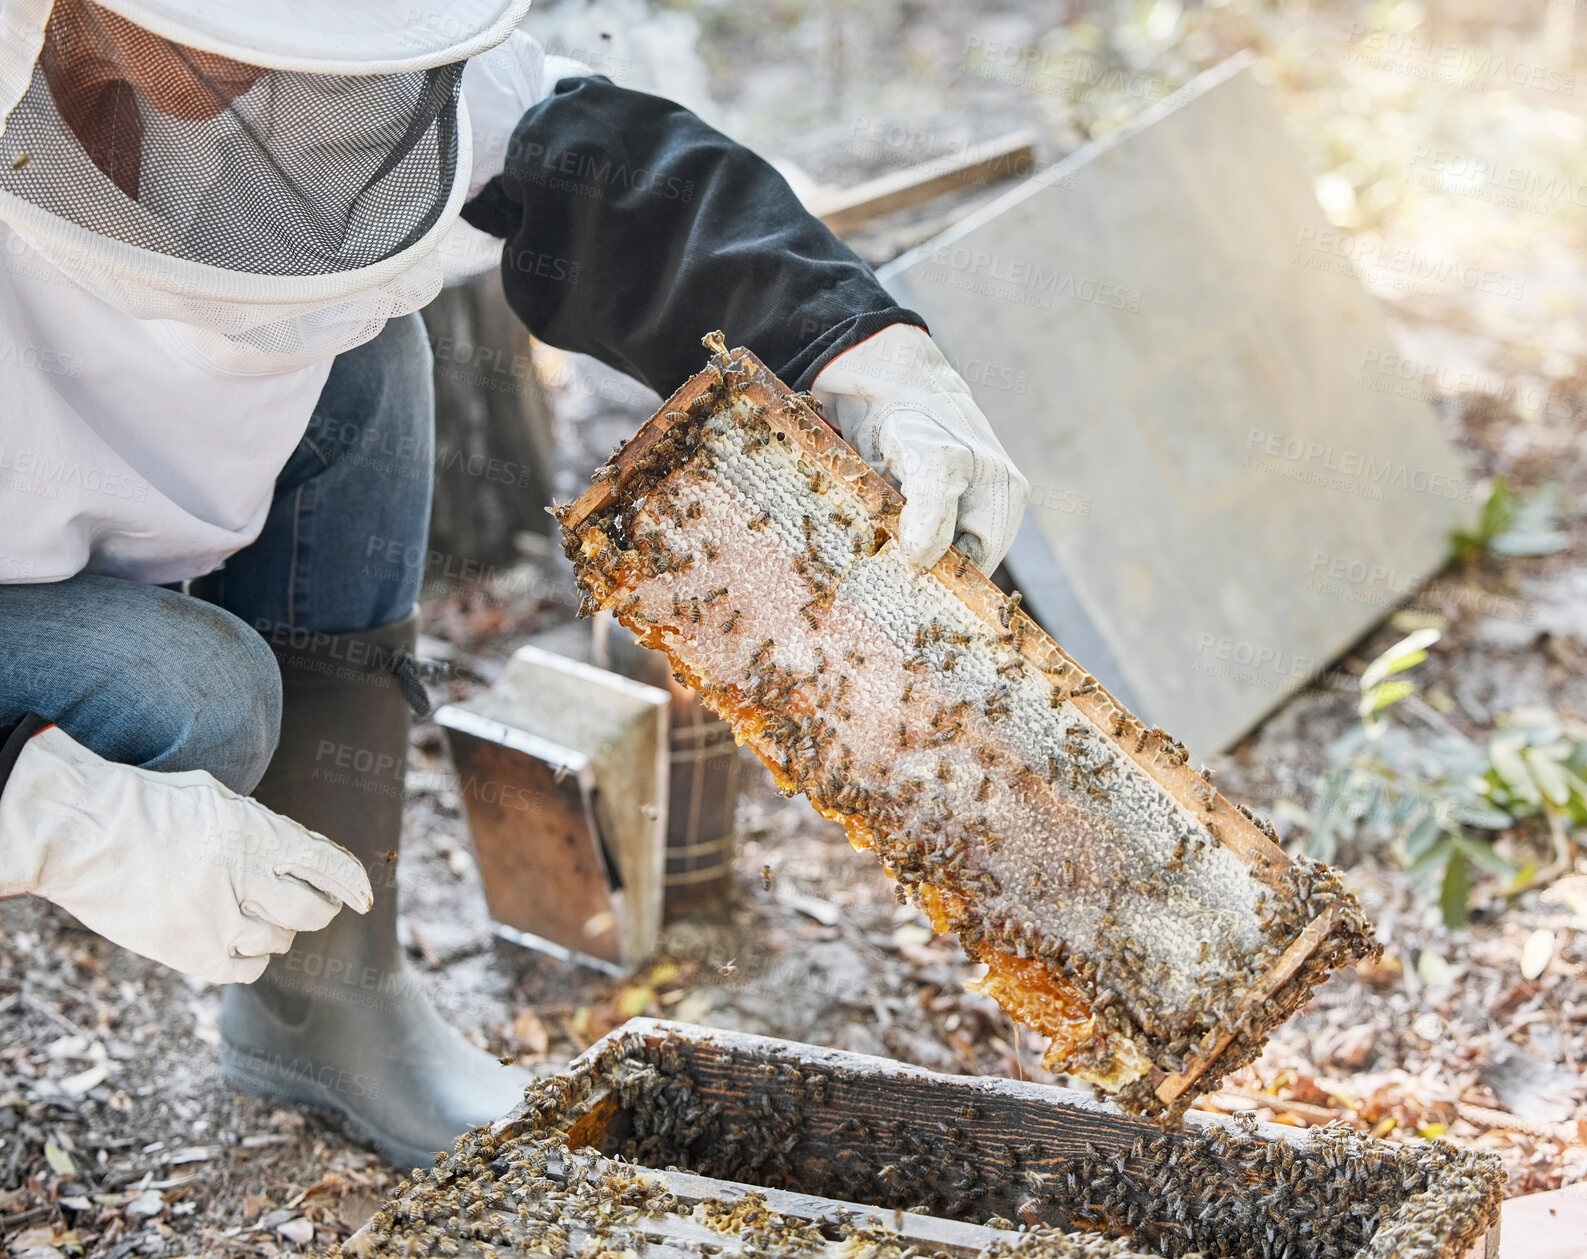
[(195, 156)]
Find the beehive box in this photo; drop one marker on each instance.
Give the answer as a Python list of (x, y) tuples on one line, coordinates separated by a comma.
[(665, 1141), (1153, 930)]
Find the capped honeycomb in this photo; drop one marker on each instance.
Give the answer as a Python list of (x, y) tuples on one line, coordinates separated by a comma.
[(1123, 908)]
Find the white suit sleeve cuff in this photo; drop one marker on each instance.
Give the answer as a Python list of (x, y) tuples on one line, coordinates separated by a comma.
[(498, 87)]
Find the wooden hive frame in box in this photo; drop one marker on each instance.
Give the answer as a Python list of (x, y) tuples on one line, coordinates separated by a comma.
[(664, 1141), (1124, 908)]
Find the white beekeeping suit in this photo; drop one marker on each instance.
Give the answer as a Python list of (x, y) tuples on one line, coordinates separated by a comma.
[(201, 205)]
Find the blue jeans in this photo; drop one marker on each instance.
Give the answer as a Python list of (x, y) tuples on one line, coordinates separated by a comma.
[(144, 675)]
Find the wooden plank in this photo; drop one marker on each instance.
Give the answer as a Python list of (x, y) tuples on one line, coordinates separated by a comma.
[(1010, 155)]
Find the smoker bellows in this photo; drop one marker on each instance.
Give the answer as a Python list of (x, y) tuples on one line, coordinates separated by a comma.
[(1122, 906)]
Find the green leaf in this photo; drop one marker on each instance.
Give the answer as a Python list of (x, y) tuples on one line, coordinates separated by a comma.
[(1383, 694), (1433, 858), (1498, 511), (1409, 651), (1548, 774), (1457, 888), (1507, 763), (1422, 837), (1483, 856), (1478, 812)]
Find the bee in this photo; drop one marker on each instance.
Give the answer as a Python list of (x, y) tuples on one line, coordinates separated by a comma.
[(710, 551), (984, 790), (760, 522), (1085, 688), (765, 878), (909, 689), (942, 771), (854, 657), (759, 653), (903, 735), (731, 624), (389, 855), (808, 612), (694, 610), (719, 593)]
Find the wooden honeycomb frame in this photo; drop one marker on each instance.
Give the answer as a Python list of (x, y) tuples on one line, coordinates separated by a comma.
[(1323, 928)]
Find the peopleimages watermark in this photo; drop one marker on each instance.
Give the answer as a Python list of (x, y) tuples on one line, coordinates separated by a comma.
[(347, 765), (1404, 268), (1419, 54), (1507, 186), (1019, 280), (346, 981), (1372, 583), (1349, 471), (599, 60), (587, 175), (1386, 371), (905, 361), (45, 475), (875, 138), (1054, 498), (305, 1071), (390, 559), (1263, 666), (1078, 76)]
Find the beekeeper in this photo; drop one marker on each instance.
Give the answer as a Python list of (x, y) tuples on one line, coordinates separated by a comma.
[(217, 219)]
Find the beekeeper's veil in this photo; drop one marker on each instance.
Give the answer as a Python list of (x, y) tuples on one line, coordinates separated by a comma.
[(275, 172)]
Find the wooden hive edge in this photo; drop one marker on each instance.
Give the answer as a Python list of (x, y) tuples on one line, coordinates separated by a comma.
[(958, 1237)]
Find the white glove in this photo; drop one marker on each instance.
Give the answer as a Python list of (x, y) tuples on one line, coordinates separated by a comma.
[(896, 400), (173, 866)]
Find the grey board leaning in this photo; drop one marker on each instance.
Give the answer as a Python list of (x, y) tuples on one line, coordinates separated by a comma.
[(1178, 351)]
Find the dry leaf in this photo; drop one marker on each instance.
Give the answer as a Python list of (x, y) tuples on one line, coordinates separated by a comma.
[(635, 999), (59, 1160), (149, 1202), (693, 1008), (1537, 953), (298, 1230), (77, 1085), (1435, 972), (530, 1032)]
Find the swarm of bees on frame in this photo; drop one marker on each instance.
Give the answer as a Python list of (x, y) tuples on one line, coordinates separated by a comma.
[(1019, 804), (772, 1120)]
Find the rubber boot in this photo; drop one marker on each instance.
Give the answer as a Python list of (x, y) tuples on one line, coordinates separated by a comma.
[(341, 1023)]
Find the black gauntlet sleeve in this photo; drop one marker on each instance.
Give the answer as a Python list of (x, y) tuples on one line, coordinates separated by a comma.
[(633, 229)]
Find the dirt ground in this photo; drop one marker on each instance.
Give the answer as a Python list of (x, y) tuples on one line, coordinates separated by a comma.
[(117, 1136)]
